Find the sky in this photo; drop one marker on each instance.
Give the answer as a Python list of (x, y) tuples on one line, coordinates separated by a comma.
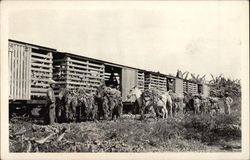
[(202, 37)]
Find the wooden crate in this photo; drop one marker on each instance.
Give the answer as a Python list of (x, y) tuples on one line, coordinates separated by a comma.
[(19, 71), (155, 81), (78, 73)]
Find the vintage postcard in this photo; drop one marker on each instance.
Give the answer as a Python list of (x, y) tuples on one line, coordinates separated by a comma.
[(124, 80)]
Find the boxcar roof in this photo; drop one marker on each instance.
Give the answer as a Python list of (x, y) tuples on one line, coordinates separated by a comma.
[(41, 47)]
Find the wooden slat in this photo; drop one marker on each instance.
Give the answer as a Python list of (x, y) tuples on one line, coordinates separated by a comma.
[(16, 75), (81, 71), (38, 94), (25, 74), (40, 79), (41, 70), (40, 60), (42, 65), (39, 90), (95, 69), (39, 85), (78, 83), (84, 63), (21, 73), (86, 76), (29, 71), (9, 70), (13, 71), (16, 72), (85, 66), (75, 70), (96, 65), (78, 79), (44, 75), (41, 55), (89, 76)]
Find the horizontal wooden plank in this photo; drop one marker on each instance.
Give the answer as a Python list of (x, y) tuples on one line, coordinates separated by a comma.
[(78, 71), (78, 83), (84, 62), (40, 79), (81, 75), (88, 76), (41, 60), (41, 70), (38, 94), (42, 74), (42, 65), (78, 79), (96, 65), (39, 90), (38, 84), (85, 68), (41, 55), (83, 81), (95, 69)]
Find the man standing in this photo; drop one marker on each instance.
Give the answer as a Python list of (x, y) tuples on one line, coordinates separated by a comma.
[(196, 104), (50, 102), (227, 103)]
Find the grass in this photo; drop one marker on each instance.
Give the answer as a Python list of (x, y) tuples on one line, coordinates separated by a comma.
[(200, 133)]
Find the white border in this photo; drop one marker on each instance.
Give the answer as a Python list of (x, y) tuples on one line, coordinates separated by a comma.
[(10, 5)]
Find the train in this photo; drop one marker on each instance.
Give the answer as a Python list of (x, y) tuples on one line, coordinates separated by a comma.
[(32, 66)]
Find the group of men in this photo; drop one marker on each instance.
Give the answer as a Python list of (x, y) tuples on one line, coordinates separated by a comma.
[(209, 104), (51, 100), (107, 102)]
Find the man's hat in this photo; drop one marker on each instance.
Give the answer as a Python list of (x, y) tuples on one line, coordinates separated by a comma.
[(226, 93)]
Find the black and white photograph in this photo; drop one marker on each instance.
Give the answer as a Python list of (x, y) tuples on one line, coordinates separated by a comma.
[(125, 79)]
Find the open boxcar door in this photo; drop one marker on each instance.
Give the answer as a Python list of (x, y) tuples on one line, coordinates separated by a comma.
[(129, 80)]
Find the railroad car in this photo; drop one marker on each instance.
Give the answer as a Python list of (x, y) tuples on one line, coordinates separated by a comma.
[(31, 66)]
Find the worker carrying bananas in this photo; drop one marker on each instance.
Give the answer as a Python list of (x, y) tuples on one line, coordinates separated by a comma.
[(227, 103), (50, 102)]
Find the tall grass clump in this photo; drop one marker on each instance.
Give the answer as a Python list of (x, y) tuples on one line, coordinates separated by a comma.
[(211, 129)]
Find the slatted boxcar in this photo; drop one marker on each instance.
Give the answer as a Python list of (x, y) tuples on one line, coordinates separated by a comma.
[(30, 68)]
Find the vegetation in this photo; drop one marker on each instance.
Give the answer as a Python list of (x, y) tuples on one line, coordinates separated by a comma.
[(220, 85), (199, 133)]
